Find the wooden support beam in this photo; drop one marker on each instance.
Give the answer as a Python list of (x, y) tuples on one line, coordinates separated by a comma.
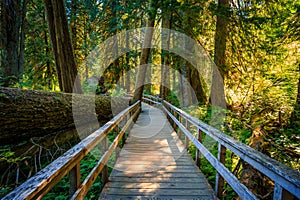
[(198, 153), (186, 139), (117, 131), (74, 179), (179, 131), (174, 123), (219, 178), (104, 178), (277, 192)]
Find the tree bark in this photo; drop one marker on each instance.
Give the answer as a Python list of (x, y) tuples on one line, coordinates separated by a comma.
[(127, 68), (26, 114), (9, 42), (138, 93), (197, 85), (165, 60), (186, 90), (62, 46), (221, 36), (22, 39)]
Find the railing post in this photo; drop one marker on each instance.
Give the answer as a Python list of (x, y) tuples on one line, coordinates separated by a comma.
[(277, 192), (132, 112), (74, 179), (186, 139), (198, 153), (219, 178), (179, 131), (118, 147), (174, 123), (124, 135), (104, 177)]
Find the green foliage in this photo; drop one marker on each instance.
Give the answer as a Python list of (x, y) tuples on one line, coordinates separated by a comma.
[(7, 155), (61, 190), (88, 89), (173, 99), (117, 92)]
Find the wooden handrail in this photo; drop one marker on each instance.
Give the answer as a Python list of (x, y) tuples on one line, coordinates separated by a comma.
[(153, 98), (150, 101), (282, 175), (41, 183)]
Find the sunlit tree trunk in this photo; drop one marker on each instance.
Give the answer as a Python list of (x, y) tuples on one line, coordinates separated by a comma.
[(127, 60), (148, 77), (139, 87), (197, 85), (186, 90), (62, 46), (165, 60), (221, 36)]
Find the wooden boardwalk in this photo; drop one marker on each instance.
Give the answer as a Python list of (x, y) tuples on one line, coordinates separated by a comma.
[(153, 164)]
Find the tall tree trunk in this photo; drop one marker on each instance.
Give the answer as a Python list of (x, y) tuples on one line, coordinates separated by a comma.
[(186, 90), (9, 28), (22, 39), (52, 32), (139, 87), (50, 66), (75, 35), (197, 88), (147, 85), (62, 46), (174, 79), (127, 69), (197, 85), (165, 60), (221, 36)]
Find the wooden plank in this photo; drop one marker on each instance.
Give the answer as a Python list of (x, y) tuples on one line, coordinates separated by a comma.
[(157, 179), (155, 165), (158, 175), (141, 170), (163, 185), (161, 197), (157, 192)]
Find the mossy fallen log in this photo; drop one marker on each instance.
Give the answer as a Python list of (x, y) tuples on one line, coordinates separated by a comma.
[(25, 114)]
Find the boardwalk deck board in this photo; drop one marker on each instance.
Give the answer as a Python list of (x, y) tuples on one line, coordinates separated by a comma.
[(154, 164)]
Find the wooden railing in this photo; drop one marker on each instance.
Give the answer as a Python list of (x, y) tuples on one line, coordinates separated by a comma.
[(284, 178), (40, 184), (152, 100)]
